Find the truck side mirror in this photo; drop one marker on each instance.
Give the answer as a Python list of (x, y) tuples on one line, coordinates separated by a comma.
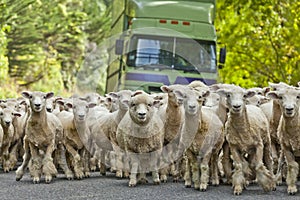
[(222, 57), (119, 47)]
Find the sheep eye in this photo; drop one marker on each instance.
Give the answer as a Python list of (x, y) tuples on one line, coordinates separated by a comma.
[(298, 97), (228, 95), (133, 104), (30, 96), (149, 104), (280, 97)]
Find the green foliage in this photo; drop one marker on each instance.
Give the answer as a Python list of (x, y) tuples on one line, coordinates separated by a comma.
[(262, 41)]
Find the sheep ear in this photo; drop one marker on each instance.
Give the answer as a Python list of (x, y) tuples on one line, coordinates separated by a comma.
[(249, 93), (26, 94), (206, 94), (214, 87), (165, 89), (83, 98), (113, 94), (69, 105), (298, 84), (108, 99), (49, 95), (266, 90), (156, 103), (272, 95), (222, 92), (92, 105), (137, 93), (60, 102)]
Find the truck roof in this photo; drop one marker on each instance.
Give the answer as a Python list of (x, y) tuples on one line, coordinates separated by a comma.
[(197, 10)]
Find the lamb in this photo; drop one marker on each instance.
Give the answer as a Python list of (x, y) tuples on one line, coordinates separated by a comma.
[(201, 138), (43, 134), (289, 124), (172, 115), (77, 135), (140, 135), (8, 148), (247, 133), (103, 133)]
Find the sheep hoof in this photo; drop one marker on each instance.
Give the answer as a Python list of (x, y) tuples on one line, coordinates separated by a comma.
[(36, 180), (87, 174), (175, 180), (292, 190), (164, 178), (237, 190), (119, 174), (156, 182), (48, 179), (126, 174), (132, 183)]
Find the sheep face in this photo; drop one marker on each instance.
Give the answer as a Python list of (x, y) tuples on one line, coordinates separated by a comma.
[(123, 98), (6, 116), (81, 109), (172, 92), (37, 99), (236, 98), (289, 100), (212, 100), (192, 99), (141, 108)]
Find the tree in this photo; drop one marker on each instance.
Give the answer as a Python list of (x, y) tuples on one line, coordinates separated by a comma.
[(262, 41)]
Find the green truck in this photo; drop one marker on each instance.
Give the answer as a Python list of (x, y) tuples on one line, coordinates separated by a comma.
[(159, 42)]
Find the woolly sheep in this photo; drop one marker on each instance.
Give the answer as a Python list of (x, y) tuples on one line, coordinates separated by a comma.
[(247, 133), (140, 135), (43, 133), (77, 135), (289, 124), (202, 138)]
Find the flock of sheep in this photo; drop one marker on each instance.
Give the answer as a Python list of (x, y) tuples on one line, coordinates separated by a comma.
[(193, 132)]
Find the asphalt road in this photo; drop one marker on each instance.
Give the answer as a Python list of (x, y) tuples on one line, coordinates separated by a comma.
[(108, 187)]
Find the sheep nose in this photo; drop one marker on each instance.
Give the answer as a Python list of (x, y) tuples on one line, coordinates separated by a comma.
[(49, 109), (7, 123), (192, 106), (289, 109), (236, 106), (81, 116), (37, 104), (142, 113)]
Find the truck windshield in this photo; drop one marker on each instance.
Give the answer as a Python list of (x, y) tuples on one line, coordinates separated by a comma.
[(172, 53)]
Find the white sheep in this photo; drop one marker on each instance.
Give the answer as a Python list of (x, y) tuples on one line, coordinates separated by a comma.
[(9, 144), (77, 135), (103, 133), (140, 135), (201, 138), (43, 134), (289, 125), (172, 114), (247, 133)]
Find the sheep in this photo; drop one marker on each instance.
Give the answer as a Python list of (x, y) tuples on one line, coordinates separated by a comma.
[(201, 139), (103, 133), (77, 135), (140, 135), (172, 116), (289, 124), (7, 152), (43, 134), (247, 133)]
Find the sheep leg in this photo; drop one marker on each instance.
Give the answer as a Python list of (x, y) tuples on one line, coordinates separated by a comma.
[(49, 168), (13, 156), (62, 161), (5, 158), (195, 172), (26, 158), (35, 166), (264, 177), (187, 173), (133, 172), (214, 169), (292, 171), (76, 161), (267, 157), (85, 160), (204, 169), (238, 179), (227, 163)]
